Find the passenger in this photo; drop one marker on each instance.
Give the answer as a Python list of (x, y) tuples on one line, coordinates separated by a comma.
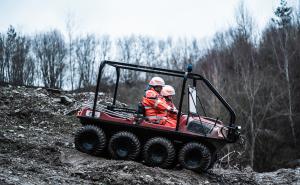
[(168, 92), (156, 107)]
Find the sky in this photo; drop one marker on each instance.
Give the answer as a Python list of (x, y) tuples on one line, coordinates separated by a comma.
[(158, 18)]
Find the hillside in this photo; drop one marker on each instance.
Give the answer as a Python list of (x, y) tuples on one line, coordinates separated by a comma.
[(36, 147)]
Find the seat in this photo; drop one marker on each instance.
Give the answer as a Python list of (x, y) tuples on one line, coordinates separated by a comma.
[(141, 109)]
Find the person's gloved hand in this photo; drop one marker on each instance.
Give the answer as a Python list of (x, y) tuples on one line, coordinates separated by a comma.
[(174, 110)]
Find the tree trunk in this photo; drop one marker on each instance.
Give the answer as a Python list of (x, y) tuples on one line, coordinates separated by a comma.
[(290, 106)]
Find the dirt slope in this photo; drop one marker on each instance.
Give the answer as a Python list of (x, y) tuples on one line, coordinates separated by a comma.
[(36, 147)]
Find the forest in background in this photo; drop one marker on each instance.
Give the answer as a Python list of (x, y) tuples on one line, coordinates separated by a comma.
[(257, 73)]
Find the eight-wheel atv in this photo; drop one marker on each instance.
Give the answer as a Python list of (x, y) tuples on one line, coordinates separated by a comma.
[(127, 135)]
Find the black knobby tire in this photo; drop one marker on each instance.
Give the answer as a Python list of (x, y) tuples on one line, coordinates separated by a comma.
[(91, 140), (124, 145), (159, 152), (195, 156), (214, 158)]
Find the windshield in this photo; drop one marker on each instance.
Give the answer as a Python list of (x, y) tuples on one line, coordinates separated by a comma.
[(202, 102)]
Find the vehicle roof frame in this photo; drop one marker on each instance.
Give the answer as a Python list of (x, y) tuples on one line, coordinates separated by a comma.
[(185, 75)]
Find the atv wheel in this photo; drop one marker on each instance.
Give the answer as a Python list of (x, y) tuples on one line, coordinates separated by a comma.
[(159, 152), (124, 145), (195, 156), (214, 158), (90, 139)]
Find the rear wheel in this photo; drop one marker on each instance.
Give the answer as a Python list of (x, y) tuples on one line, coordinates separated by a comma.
[(124, 145), (90, 139), (159, 152), (195, 156)]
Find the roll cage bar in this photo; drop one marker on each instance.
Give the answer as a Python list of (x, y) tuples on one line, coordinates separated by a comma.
[(184, 75)]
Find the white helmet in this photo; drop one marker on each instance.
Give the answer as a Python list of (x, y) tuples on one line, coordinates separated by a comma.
[(157, 81), (167, 91)]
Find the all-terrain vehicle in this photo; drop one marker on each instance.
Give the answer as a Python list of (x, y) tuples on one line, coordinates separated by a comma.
[(126, 134)]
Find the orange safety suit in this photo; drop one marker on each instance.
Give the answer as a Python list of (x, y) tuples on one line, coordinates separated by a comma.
[(156, 107), (171, 116)]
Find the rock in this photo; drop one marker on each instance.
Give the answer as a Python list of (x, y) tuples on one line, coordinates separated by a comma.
[(21, 135), (57, 100), (15, 179), (54, 91), (66, 100), (146, 178), (248, 169), (15, 91), (2, 136), (63, 99), (71, 112), (3, 107), (38, 129), (41, 95), (21, 127), (206, 182)]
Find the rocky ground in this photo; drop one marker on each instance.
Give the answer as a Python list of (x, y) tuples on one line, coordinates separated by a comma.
[(36, 147)]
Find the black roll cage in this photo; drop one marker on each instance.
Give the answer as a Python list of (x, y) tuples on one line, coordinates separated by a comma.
[(184, 75)]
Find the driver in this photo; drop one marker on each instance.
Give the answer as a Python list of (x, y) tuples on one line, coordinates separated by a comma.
[(168, 92), (156, 107)]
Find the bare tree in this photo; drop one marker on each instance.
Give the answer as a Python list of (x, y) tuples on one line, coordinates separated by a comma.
[(70, 26), (283, 35), (148, 47), (105, 47), (129, 51), (2, 61), (195, 49), (176, 55), (10, 46), (19, 59), (161, 51), (14, 55), (29, 71), (86, 57), (50, 50)]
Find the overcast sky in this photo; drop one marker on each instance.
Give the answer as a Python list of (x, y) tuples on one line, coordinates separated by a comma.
[(160, 18)]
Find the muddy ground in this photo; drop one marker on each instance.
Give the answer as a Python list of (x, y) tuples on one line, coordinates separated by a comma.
[(36, 147)]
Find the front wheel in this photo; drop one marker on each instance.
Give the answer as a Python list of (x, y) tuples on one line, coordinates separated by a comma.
[(214, 158), (90, 139)]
